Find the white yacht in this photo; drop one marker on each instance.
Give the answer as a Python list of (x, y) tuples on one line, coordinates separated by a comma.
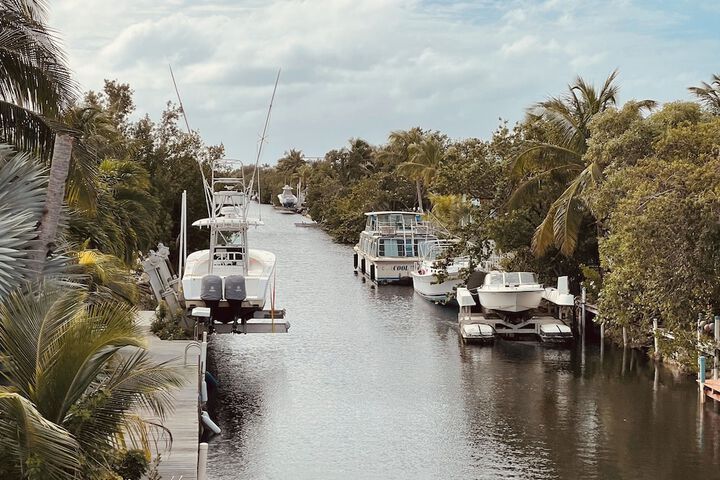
[(510, 291), (229, 277), (288, 201), (434, 281), (389, 246)]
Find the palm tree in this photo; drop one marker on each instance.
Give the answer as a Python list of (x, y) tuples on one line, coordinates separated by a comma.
[(424, 160), (559, 158), (709, 94), (35, 88), (80, 370), (22, 199)]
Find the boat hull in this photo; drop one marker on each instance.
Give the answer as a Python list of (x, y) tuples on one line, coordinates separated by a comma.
[(427, 286), (257, 279), (385, 270), (510, 301)]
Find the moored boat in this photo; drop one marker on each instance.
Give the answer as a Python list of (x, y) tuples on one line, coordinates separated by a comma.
[(436, 279), (389, 246), (229, 278), (510, 291)]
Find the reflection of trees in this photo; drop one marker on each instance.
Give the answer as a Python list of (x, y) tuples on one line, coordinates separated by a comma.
[(539, 413)]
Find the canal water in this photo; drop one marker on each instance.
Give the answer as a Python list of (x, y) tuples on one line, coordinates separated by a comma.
[(377, 384)]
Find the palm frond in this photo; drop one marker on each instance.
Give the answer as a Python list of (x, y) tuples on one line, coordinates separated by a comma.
[(32, 446), (22, 199)]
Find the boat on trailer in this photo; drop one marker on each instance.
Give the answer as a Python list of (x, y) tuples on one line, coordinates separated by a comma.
[(526, 311), (388, 248)]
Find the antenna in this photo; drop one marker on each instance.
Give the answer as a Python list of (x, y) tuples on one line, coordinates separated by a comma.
[(206, 187), (265, 127)]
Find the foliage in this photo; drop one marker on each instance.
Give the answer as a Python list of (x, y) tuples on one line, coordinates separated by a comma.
[(82, 366), (131, 464), (169, 326), (660, 208), (35, 84), (22, 199), (709, 94), (559, 156)]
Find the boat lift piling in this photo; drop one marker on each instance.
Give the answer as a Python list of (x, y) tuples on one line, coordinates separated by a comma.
[(709, 387)]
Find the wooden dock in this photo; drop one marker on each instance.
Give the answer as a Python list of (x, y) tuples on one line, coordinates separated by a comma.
[(711, 389), (180, 461)]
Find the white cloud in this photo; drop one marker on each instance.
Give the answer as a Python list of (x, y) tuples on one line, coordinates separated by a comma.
[(364, 68)]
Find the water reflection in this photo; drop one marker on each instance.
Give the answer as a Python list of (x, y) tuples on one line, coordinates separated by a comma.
[(376, 383)]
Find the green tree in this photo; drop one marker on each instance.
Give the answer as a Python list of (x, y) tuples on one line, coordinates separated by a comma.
[(82, 367), (422, 165), (559, 158), (709, 94)]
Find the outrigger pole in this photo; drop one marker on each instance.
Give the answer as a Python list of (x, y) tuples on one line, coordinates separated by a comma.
[(264, 134), (206, 186)]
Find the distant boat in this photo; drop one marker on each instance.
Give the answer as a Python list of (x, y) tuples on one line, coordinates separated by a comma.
[(389, 246), (287, 198), (428, 272)]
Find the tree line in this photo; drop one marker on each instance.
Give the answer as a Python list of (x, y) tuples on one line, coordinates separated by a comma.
[(623, 198)]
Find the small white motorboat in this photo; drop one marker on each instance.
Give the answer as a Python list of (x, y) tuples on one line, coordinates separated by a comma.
[(288, 201), (432, 280), (510, 291)]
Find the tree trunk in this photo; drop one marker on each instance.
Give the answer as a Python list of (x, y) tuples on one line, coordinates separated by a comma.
[(419, 194), (59, 168)]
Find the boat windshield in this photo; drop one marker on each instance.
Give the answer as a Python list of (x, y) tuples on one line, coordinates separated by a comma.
[(511, 278)]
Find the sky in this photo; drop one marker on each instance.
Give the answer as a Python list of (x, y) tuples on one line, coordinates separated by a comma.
[(363, 68)]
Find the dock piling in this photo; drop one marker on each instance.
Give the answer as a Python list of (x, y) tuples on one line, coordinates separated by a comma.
[(202, 461)]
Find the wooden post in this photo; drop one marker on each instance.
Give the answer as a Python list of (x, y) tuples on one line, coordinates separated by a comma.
[(655, 338), (602, 332), (625, 339), (583, 301), (202, 461), (701, 377), (716, 347)]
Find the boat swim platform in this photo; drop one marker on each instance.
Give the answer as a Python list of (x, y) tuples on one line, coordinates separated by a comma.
[(264, 321), (180, 459)]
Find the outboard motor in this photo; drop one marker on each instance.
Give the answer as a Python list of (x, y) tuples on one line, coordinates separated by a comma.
[(211, 292), (475, 281), (235, 293)]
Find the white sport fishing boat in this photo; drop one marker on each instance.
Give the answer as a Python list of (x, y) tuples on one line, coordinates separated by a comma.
[(510, 291), (229, 278), (389, 246), (431, 279), (288, 201)]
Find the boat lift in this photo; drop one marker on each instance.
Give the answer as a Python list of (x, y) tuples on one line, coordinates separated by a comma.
[(549, 325)]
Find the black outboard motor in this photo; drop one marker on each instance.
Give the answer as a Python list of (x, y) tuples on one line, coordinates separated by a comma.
[(211, 293), (475, 281), (235, 293)]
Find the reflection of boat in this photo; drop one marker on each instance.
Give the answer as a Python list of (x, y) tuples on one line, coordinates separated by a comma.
[(388, 247), (307, 224), (229, 277), (510, 291), (434, 278)]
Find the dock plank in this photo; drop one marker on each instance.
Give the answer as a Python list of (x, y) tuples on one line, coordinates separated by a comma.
[(179, 462)]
